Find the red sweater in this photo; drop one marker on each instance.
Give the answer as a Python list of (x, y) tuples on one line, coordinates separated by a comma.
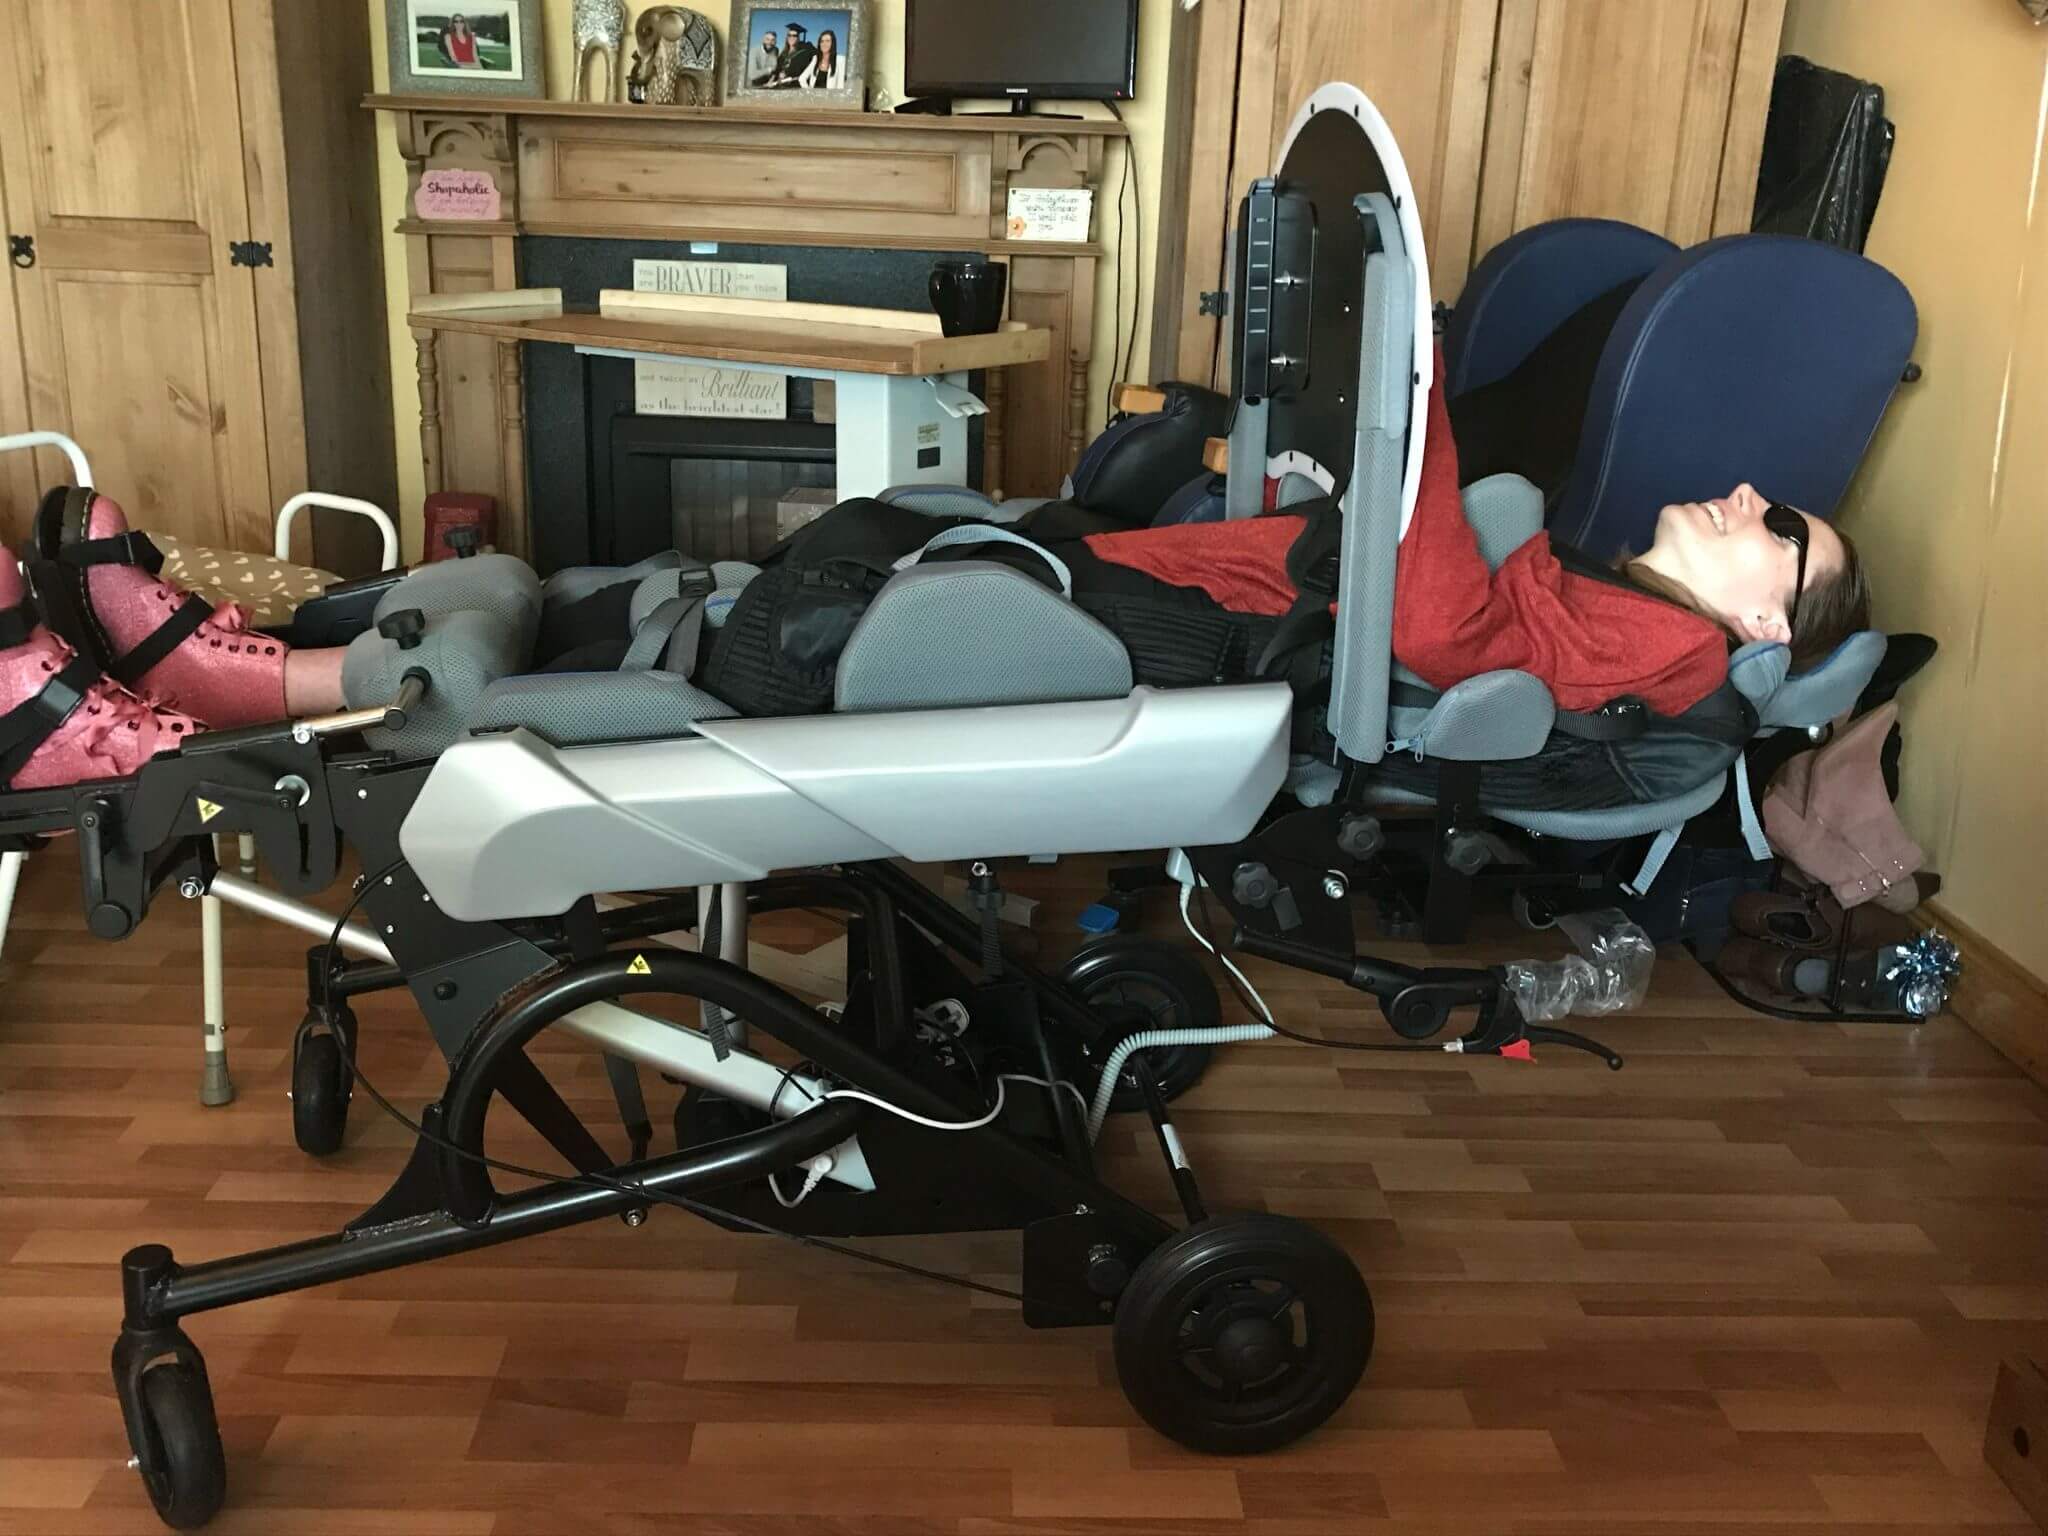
[(1589, 641)]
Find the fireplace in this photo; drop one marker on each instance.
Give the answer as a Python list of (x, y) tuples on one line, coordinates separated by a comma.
[(609, 485)]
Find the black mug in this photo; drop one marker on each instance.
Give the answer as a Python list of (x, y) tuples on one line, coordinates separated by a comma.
[(967, 295)]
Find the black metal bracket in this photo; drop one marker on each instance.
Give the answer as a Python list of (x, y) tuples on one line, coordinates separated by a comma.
[(1216, 302), (21, 250), (249, 253)]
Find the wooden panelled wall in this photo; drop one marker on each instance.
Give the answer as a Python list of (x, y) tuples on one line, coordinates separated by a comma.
[(1508, 113)]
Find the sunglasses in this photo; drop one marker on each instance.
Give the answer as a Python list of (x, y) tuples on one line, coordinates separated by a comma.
[(1787, 523)]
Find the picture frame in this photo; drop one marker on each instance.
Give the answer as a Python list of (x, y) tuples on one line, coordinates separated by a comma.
[(800, 29), (465, 47)]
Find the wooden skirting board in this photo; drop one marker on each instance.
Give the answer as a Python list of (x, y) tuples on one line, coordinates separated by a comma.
[(1997, 996)]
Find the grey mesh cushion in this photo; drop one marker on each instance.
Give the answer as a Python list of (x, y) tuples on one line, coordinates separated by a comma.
[(1617, 821), (500, 585), (571, 709), (1294, 489), (972, 632), (1505, 512), (461, 653), (1762, 674), (957, 501), (1493, 717), (574, 583)]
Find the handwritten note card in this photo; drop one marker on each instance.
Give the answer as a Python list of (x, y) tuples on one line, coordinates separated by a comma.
[(1050, 213), (455, 194)]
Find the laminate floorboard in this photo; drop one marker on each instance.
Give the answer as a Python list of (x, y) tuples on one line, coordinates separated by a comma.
[(1758, 1282)]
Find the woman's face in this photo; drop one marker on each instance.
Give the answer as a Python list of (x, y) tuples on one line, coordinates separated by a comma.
[(1725, 556)]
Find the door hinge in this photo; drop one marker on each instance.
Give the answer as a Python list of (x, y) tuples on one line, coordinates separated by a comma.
[(21, 250), (249, 253), (1216, 302)]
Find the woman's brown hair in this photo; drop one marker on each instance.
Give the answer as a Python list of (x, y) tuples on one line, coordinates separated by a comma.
[(1831, 608)]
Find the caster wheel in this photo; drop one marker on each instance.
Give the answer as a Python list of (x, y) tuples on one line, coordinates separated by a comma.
[(320, 1092), (1242, 1334), (1137, 984), (191, 1477), (1535, 913)]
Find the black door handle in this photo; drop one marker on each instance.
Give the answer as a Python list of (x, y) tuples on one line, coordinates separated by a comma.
[(21, 250)]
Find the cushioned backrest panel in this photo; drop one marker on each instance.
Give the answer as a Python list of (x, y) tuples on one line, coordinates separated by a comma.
[(1135, 464), (1372, 504), (1199, 501), (579, 581), (1764, 358), (1527, 285), (972, 632)]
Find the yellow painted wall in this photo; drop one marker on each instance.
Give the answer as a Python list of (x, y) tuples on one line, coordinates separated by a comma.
[(1146, 117), (1951, 508)]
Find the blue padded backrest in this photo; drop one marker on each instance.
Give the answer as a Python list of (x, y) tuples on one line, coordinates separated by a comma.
[(1766, 358), (1530, 283)]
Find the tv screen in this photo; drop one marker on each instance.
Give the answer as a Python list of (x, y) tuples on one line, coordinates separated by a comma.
[(1078, 49)]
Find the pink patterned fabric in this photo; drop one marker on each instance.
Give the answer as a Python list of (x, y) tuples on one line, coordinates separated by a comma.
[(224, 673), (108, 736)]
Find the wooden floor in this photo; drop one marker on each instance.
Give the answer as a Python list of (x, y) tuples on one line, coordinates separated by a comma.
[(1758, 1282)]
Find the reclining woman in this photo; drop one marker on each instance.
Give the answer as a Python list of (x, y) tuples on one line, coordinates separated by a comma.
[(1658, 628)]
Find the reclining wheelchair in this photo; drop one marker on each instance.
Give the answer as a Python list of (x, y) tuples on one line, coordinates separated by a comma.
[(490, 805)]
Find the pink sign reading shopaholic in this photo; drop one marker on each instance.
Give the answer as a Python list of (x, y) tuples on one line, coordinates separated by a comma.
[(454, 194)]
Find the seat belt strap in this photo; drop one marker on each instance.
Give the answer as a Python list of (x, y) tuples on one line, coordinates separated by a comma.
[(988, 533), (1653, 861), (1745, 808), (669, 634)]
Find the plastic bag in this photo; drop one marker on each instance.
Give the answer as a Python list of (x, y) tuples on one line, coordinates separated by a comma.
[(1610, 972), (1827, 147)]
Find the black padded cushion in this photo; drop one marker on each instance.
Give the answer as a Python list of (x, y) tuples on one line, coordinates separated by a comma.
[(1137, 463)]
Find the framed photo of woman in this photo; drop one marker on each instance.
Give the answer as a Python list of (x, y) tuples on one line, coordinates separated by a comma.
[(465, 47), (780, 54)]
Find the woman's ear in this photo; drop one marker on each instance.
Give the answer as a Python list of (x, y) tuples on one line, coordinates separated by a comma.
[(1771, 626)]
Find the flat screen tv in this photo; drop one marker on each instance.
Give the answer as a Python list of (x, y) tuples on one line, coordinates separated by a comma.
[(1075, 50)]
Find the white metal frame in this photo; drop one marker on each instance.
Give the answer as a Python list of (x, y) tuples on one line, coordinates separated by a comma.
[(215, 1085)]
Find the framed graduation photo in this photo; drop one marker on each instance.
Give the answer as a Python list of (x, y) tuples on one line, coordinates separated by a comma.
[(784, 55)]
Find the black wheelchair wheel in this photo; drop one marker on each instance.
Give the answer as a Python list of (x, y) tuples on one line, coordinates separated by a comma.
[(1135, 984), (1242, 1334), (191, 1478), (319, 1094)]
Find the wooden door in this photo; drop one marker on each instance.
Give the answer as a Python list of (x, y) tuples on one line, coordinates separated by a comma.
[(122, 143), (1424, 63), (1653, 114)]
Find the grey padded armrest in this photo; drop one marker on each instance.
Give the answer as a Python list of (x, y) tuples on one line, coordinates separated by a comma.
[(574, 709), (1489, 718), (1505, 512), (503, 586), (972, 632)]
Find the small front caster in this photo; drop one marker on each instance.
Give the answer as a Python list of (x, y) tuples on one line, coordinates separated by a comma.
[(184, 1470), (1135, 984), (321, 1083), (1242, 1334)]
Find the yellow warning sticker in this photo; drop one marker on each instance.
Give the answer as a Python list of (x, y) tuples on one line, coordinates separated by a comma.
[(639, 967), (207, 810)]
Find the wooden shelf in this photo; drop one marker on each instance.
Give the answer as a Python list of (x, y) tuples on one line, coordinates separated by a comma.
[(798, 341), (909, 122)]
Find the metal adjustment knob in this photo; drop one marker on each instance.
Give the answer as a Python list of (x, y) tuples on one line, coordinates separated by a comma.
[(406, 627), (1361, 837), (1253, 885)]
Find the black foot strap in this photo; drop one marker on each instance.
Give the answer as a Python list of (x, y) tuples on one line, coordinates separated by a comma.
[(29, 724), (130, 548), (181, 626)]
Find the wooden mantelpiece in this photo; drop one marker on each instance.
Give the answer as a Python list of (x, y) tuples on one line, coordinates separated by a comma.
[(861, 180)]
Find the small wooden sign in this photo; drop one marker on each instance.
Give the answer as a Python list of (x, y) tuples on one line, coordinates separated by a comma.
[(450, 193), (718, 279), (665, 388)]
